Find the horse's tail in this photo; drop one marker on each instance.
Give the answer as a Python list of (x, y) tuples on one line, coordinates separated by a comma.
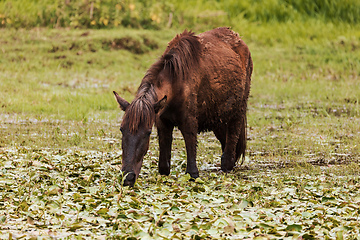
[(241, 145)]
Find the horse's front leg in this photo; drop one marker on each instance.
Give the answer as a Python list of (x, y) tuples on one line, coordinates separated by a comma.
[(165, 140), (189, 131)]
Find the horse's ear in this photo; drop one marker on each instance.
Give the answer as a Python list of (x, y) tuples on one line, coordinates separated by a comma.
[(160, 104), (122, 102)]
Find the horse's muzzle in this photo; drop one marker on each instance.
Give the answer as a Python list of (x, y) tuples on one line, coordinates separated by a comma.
[(130, 179)]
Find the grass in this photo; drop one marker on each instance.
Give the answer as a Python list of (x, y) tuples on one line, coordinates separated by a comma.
[(60, 152), (160, 14), (60, 73)]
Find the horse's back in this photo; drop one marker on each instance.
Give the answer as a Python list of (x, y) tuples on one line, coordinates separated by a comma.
[(225, 77), (225, 61), (222, 34), (223, 39)]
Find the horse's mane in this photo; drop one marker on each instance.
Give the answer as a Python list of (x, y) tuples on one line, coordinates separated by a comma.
[(180, 57), (141, 110)]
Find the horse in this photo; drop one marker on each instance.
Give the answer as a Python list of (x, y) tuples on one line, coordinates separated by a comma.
[(200, 83)]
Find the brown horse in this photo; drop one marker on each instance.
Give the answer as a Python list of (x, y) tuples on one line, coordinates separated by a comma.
[(200, 83)]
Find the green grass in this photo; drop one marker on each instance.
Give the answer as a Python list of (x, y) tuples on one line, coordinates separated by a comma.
[(60, 147), (54, 71), (164, 14)]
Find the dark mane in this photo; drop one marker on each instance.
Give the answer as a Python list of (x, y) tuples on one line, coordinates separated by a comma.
[(141, 110), (180, 57)]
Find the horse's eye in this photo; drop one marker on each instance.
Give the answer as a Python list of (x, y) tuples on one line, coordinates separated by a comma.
[(121, 129), (148, 133)]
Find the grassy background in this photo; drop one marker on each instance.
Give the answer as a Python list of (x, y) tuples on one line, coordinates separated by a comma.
[(301, 74), (161, 13), (59, 122)]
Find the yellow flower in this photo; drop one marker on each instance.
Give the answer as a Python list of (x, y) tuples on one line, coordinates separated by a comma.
[(153, 17), (132, 6), (118, 6), (93, 22)]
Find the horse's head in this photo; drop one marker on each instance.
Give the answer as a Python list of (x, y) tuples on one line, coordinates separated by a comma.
[(136, 128)]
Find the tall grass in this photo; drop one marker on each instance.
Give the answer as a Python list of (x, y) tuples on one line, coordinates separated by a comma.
[(291, 10), (160, 13)]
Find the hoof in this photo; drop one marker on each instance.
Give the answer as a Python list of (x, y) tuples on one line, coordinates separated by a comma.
[(226, 170), (227, 167), (193, 175), (227, 163), (130, 179), (165, 172)]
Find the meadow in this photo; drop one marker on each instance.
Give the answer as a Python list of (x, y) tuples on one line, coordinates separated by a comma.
[(60, 144)]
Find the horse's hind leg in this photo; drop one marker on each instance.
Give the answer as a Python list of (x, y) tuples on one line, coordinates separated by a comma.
[(220, 134), (165, 141), (228, 158)]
